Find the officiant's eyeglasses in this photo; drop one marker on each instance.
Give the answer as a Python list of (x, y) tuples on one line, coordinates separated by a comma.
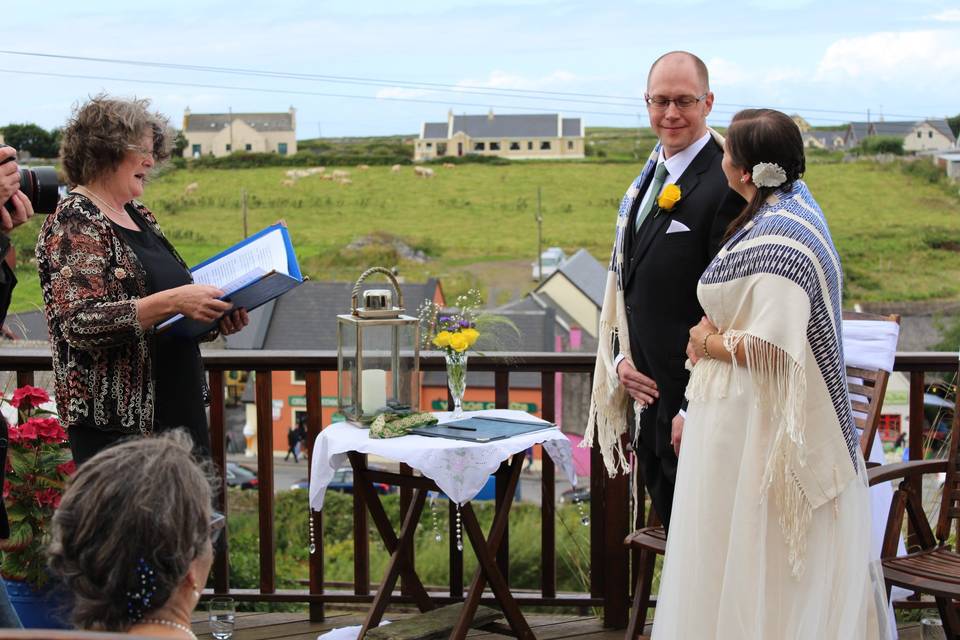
[(662, 103)]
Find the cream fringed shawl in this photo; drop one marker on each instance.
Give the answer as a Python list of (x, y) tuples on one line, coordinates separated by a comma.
[(775, 288), (607, 421)]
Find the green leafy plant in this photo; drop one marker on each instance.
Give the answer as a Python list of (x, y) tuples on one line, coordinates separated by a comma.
[(38, 465)]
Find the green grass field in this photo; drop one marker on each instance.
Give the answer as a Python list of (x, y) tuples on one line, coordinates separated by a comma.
[(896, 233)]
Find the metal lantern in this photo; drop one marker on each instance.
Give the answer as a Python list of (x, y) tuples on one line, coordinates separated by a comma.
[(378, 353)]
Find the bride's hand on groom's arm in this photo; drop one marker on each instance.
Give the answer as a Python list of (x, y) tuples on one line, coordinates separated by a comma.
[(676, 432), (641, 387)]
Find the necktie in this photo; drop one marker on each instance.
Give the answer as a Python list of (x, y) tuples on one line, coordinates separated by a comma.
[(659, 177)]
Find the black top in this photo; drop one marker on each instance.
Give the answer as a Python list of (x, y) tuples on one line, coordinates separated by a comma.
[(180, 385), (7, 282)]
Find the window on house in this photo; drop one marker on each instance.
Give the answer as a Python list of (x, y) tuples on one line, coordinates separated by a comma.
[(569, 144), (195, 151), (545, 145), (299, 377), (919, 134), (494, 146), (529, 145), (228, 148), (929, 134), (248, 147), (282, 148), (441, 148), (514, 146), (479, 146), (429, 145)]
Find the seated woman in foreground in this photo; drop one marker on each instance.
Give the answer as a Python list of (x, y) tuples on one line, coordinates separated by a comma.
[(132, 539)]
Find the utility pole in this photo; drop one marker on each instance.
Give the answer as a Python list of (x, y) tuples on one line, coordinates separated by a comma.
[(230, 112), (243, 201), (539, 238)]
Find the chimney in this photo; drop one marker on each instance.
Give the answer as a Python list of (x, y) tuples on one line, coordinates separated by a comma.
[(490, 114)]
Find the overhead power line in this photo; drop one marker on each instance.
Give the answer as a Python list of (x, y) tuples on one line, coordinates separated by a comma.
[(528, 94)]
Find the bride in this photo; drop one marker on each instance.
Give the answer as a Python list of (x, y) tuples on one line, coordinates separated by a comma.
[(770, 531)]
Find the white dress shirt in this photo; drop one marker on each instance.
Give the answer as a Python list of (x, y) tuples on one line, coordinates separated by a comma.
[(676, 165)]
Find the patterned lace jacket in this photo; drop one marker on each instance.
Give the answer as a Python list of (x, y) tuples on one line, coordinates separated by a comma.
[(91, 280)]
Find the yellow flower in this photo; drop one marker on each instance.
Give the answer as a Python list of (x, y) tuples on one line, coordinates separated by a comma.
[(669, 197), (442, 339), (471, 335), (459, 342)]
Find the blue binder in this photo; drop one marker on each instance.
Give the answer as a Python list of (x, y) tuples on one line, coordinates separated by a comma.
[(250, 291)]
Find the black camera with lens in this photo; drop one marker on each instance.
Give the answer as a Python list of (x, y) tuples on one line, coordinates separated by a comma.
[(40, 184)]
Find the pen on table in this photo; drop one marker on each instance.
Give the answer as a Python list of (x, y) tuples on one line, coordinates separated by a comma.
[(449, 426)]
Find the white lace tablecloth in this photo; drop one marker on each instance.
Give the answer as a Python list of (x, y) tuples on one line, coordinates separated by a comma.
[(459, 468)]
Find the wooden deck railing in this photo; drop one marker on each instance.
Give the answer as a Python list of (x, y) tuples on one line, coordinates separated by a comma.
[(609, 504)]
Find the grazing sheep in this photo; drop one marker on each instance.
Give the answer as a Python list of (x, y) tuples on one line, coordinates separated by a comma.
[(340, 173), (363, 167), (345, 181), (423, 172), (449, 165), (193, 186), (288, 183), (395, 168), (315, 170), (326, 176)]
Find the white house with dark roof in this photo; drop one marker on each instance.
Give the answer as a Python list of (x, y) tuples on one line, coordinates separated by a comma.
[(518, 136), (933, 134), (827, 140), (575, 290), (220, 134)]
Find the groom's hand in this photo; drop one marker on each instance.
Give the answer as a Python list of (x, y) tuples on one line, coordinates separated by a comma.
[(641, 388)]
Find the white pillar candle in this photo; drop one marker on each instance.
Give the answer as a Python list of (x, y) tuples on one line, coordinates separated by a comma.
[(374, 392)]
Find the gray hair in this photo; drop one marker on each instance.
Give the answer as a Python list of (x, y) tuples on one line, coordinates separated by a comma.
[(144, 502)]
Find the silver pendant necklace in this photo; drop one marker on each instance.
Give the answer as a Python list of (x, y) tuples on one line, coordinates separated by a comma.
[(102, 201)]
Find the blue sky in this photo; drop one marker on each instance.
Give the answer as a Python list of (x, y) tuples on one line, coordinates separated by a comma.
[(828, 61)]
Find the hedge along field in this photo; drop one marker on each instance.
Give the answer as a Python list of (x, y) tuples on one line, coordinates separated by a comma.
[(897, 232)]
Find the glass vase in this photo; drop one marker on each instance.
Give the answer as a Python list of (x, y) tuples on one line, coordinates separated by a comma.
[(457, 379)]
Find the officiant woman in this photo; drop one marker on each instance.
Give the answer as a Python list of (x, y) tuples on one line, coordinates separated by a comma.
[(109, 276)]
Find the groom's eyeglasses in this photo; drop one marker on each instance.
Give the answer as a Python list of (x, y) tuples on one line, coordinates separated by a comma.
[(662, 103)]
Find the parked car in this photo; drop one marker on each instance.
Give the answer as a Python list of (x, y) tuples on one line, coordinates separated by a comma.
[(240, 476), (550, 260), (343, 482)]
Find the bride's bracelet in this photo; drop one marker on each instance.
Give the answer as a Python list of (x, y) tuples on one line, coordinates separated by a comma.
[(706, 353)]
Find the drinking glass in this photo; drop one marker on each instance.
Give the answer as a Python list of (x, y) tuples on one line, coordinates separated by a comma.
[(222, 614), (932, 629)]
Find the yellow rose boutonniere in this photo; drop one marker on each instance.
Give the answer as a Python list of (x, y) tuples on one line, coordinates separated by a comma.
[(442, 339), (669, 197), (459, 342)]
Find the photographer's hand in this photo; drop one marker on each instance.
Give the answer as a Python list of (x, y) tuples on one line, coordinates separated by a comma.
[(9, 173), (22, 211)]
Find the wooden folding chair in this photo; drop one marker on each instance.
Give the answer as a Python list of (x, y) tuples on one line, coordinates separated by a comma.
[(867, 385), (934, 568)]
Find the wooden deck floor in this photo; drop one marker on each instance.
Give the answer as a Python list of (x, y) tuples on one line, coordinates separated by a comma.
[(296, 626)]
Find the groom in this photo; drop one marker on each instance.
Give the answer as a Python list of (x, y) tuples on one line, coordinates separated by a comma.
[(663, 248)]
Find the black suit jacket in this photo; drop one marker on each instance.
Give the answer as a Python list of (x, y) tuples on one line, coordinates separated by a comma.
[(661, 275)]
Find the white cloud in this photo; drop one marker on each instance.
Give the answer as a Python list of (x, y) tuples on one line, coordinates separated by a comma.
[(503, 80), (907, 58), (947, 15)]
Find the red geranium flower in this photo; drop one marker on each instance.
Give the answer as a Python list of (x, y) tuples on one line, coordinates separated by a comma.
[(32, 396), (49, 429), (67, 468), (6, 488), (13, 437), (48, 497), (28, 430)]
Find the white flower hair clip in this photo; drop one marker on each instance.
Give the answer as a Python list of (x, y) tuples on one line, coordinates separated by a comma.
[(768, 174)]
